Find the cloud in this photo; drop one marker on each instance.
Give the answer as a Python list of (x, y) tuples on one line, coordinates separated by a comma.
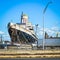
[(1, 32), (6, 35), (55, 28), (51, 31)]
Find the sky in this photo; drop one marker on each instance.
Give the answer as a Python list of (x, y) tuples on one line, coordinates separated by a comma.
[(10, 11)]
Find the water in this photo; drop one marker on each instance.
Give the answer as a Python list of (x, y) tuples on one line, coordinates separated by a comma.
[(30, 59), (50, 42)]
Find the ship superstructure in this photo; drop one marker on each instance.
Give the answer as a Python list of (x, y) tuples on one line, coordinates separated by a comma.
[(22, 32)]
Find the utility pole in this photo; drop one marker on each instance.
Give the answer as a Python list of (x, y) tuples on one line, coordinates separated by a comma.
[(1, 38), (43, 22)]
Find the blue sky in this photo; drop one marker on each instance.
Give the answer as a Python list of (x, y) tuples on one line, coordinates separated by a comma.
[(10, 11)]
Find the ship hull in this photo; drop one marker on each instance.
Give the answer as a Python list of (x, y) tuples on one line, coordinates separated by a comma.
[(18, 36), (22, 32)]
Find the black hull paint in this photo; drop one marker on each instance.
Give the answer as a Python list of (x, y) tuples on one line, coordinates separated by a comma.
[(18, 36)]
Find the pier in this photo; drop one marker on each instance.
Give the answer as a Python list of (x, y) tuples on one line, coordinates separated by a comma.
[(13, 53)]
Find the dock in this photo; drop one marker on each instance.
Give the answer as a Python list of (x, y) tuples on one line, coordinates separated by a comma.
[(14, 53)]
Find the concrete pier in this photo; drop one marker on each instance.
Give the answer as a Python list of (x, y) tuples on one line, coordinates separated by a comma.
[(13, 53)]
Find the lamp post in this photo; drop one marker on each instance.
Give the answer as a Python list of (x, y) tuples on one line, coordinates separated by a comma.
[(43, 23)]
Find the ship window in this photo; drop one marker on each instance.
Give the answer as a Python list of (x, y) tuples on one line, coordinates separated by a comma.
[(31, 29), (29, 26)]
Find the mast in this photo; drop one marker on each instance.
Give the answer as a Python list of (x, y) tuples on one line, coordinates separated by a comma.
[(21, 17)]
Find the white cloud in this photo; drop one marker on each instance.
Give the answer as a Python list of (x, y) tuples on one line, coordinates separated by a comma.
[(50, 32), (6, 35), (55, 28), (1, 32)]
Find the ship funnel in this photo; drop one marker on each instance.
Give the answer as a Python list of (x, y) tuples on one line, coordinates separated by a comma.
[(24, 18)]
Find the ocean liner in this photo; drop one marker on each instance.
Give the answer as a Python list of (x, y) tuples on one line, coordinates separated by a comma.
[(22, 32)]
